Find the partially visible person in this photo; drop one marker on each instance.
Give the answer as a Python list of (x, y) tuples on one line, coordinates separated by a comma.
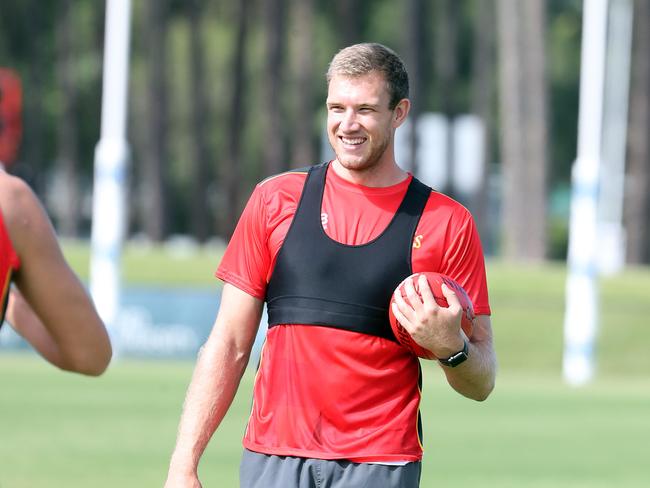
[(41, 297)]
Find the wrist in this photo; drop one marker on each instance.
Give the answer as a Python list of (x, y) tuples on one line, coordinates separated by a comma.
[(450, 348), (456, 358), (183, 465)]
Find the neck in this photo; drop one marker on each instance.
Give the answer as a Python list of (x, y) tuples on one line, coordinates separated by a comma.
[(376, 176)]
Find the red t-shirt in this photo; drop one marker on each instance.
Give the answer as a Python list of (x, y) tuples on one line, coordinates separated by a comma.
[(327, 393), (9, 262)]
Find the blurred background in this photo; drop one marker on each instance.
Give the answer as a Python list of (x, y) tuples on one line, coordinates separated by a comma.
[(223, 94)]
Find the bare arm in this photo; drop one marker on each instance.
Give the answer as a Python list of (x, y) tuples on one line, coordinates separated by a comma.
[(53, 308), (218, 371), (438, 329), (25, 321), (475, 377)]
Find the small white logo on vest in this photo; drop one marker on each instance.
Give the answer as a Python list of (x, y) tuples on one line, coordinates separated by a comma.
[(323, 220)]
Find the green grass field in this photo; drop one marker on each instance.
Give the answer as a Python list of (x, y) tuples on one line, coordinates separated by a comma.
[(61, 430), (64, 430)]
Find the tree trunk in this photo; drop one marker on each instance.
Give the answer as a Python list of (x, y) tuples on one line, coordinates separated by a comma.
[(199, 209), (482, 100), (348, 20), (33, 143), (536, 120), (274, 18), (153, 184), (67, 129), (446, 65), (637, 188), (416, 17), (231, 176), (31, 164), (524, 139), (304, 151)]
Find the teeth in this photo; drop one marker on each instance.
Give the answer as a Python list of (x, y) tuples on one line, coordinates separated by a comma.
[(352, 141)]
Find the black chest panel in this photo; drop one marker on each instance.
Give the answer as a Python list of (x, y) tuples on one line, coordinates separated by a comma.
[(318, 281)]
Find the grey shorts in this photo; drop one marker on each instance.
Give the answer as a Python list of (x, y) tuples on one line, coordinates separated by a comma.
[(266, 471)]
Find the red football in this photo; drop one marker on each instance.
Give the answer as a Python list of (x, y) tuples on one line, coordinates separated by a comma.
[(435, 282)]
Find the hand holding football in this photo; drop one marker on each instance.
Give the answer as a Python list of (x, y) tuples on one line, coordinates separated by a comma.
[(435, 281)]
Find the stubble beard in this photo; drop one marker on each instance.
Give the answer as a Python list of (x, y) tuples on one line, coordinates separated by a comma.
[(363, 163)]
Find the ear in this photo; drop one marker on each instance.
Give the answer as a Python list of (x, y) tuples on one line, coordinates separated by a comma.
[(400, 112)]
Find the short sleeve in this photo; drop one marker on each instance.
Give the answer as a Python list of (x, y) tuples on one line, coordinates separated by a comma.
[(246, 261), (463, 260)]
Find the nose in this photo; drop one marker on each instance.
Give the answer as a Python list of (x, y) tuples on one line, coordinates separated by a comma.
[(349, 121)]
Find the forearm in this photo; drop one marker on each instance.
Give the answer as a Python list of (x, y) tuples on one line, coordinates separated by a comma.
[(219, 369), (211, 391), (71, 336), (79, 333), (475, 377), (26, 323)]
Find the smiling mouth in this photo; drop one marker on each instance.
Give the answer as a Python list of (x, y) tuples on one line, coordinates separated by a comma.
[(352, 141)]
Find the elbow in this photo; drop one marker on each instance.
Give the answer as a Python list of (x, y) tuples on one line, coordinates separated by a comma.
[(482, 394), (486, 385), (478, 389), (235, 355), (98, 365), (93, 367), (90, 363), (242, 357)]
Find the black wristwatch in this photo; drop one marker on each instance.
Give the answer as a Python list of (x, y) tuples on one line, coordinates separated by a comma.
[(457, 358)]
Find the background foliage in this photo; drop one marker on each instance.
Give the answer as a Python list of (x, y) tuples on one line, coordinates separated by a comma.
[(199, 128)]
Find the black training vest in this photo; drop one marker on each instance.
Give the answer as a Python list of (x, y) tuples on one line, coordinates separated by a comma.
[(318, 281)]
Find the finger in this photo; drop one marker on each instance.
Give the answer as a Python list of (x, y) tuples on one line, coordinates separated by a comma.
[(450, 295), (427, 295), (399, 316), (412, 295), (402, 304), (400, 300)]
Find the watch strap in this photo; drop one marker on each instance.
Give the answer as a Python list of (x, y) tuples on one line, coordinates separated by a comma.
[(456, 358)]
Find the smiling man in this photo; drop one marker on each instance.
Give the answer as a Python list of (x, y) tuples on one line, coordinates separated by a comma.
[(336, 398)]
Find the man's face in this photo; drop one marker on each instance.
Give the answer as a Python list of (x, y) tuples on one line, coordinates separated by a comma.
[(360, 124)]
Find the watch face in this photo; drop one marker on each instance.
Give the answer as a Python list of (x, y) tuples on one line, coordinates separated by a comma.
[(456, 359)]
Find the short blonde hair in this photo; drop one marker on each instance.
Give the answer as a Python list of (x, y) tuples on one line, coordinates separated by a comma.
[(361, 59)]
